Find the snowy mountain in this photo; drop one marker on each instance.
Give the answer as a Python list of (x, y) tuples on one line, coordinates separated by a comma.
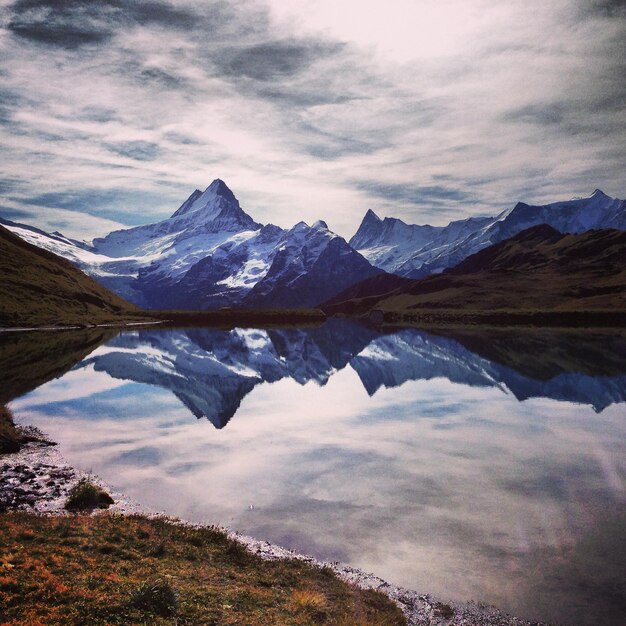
[(417, 251), (211, 254)]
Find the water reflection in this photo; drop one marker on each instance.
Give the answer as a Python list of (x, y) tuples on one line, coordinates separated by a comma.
[(405, 453), (28, 360), (211, 371)]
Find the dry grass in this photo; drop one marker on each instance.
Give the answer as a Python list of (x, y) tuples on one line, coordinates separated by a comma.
[(39, 288), (132, 570)]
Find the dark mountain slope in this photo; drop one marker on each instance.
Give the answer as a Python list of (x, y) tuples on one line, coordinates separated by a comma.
[(39, 288), (539, 269), (370, 289)]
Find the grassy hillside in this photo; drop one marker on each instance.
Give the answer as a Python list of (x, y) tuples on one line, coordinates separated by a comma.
[(39, 288), (370, 289), (538, 270), (132, 570)]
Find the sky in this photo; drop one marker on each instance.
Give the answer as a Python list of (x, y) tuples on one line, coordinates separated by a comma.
[(113, 111)]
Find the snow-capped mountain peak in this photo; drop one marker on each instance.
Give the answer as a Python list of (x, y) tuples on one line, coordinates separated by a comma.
[(214, 198), (416, 251), (211, 254), (371, 218), (320, 225)]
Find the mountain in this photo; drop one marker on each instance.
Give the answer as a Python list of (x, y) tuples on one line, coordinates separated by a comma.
[(537, 269), (274, 268), (38, 288), (211, 254), (418, 251)]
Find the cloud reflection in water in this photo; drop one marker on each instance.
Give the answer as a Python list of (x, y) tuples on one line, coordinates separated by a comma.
[(406, 454)]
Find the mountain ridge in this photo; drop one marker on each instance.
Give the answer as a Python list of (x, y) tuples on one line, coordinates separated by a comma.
[(539, 269), (38, 287), (211, 254), (452, 243)]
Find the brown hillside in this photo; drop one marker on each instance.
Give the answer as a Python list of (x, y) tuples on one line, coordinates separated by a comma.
[(39, 288)]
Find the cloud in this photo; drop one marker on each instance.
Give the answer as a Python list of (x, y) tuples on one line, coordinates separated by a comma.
[(65, 24), (451, 109), (117, 204), (536, 114), (604, 8), (416, 195), (273, 59), (75, 23), (139, 150)]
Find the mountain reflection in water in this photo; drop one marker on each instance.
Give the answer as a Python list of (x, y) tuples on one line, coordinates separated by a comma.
[(409, 455), (211, 371)]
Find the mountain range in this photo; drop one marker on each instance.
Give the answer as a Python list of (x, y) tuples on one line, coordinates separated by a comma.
[(211, 254), (538, 268), (418, 251)]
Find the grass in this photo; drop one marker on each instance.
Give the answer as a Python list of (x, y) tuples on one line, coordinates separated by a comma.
[(504, 318), (38, 288), (86, 496), (157, 597), (109, 569), (10, 435)]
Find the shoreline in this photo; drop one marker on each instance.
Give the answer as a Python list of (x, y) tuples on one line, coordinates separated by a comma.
[(26, 329), (37, 479)]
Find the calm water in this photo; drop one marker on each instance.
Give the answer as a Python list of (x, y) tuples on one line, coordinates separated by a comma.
[(488, 466)]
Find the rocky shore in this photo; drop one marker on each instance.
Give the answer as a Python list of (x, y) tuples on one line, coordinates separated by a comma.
[(38, 479)]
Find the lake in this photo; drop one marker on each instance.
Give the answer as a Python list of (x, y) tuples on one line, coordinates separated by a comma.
[(486, 466)]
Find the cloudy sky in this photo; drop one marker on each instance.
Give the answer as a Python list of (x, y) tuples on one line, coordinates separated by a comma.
[(113, 111)]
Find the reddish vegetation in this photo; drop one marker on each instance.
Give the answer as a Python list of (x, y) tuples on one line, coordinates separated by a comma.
[(129, 570)]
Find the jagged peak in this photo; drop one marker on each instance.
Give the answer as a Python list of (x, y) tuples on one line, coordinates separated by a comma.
[(220, 188), (271, 228), (598, 193), (371, 216), (320, 224)]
